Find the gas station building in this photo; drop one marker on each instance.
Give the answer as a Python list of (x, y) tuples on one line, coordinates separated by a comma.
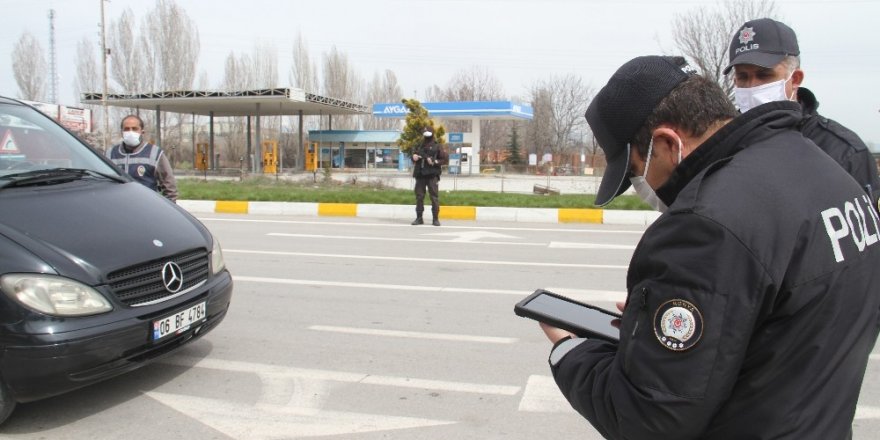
[(378, 148)]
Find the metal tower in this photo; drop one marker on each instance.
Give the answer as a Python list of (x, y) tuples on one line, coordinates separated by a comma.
[(53, 73)]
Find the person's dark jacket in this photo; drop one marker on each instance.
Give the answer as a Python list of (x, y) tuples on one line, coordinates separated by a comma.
[(841, 143), (781, 266), (439, 157)]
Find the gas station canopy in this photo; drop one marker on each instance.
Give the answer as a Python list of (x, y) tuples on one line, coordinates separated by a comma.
[(265, 102)]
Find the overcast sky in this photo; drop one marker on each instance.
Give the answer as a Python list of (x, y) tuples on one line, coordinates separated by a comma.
[(425, 42)]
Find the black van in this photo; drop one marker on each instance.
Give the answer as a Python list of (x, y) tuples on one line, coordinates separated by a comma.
[(99, 275)]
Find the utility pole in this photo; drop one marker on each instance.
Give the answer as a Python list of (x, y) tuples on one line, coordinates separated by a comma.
[(53, 73), (104, 63)]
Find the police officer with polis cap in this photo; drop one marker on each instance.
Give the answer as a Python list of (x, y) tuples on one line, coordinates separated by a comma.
[(752, 302), (765, 58)]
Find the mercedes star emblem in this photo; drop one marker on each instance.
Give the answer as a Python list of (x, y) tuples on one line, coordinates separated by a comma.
[(172, 276)]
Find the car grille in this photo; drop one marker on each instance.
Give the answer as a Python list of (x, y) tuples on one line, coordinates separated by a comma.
[(142, 284)]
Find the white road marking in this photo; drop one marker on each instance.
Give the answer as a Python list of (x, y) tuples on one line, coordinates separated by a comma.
[(271, 422), (867, 412), (407, 225), (874, 357), (468, 237), (542, 395), (577, 245), (277, 372), (432, 260), (580, 295), (414, 335)]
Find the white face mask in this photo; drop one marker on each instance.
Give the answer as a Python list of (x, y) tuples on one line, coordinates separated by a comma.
[(751, 97), (131, 138), (640, 185), (647, 193)]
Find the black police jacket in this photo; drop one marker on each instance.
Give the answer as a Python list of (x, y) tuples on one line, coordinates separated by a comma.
[(753, 301), (439, 157), (839, 142)]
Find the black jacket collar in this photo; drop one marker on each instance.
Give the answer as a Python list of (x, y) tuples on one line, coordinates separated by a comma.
[(746, 129)]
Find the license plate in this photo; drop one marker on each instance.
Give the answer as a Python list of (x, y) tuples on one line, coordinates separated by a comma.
[(178, 322)]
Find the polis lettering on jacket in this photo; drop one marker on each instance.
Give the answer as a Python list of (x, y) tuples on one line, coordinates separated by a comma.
[(858, 221)]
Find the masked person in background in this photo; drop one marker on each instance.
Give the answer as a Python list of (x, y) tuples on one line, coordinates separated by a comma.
[(765, 58), (752, 302), (428, 159), (144, 162)]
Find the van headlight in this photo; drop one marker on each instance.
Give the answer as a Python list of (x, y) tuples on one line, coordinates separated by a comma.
[(54, 295), (217, 263)]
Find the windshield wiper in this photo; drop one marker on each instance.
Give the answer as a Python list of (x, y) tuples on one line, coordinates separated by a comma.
[(52, 176)]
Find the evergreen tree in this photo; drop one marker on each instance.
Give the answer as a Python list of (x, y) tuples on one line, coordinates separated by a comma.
[(416, 121), (514, 157)]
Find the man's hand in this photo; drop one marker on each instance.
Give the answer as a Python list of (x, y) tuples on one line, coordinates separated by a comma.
[(555, 334), (416, 157), (430, 161)]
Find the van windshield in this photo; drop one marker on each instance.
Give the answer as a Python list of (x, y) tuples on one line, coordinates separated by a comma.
[(30, 141)]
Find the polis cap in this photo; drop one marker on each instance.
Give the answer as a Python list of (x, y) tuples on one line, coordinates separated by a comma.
[(763, 42)]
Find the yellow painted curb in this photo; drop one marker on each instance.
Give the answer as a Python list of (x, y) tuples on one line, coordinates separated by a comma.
[(338, 209), (231, 207), (458, 212), (580, 215)]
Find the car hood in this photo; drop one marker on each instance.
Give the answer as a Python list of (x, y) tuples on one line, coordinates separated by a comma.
[(86, 229)]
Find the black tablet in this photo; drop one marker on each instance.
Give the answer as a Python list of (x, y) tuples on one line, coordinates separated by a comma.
[(581, 319)]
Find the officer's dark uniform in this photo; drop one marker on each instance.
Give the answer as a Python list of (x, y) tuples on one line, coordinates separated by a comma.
[(428, 177), (753, 302), (841, 143)]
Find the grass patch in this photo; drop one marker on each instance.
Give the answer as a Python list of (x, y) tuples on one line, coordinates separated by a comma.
[(270, 190)]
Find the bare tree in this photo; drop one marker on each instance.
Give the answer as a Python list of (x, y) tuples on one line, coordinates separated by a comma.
[(539, 137), (383, 88), (170, 51), (265, 66), (303, 73), (478, 84), (238, 76), (703, 35), (29, 67), (88, 76), (258, 70), (561, 102), (173, 45), (88, 79), (127, 66), (341, 82)]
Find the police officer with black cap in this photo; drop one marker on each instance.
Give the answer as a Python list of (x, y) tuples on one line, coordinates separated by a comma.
[(752, 302), (765, 58)]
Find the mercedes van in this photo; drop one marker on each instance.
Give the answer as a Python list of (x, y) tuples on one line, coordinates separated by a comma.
[(99, 275)]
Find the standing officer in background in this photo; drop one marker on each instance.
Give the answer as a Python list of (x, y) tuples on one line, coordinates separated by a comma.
[(144, 162), (765, 59), (754, 300), (428, 159)]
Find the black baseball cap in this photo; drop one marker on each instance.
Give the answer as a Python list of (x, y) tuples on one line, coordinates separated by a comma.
[(763, 42), (622, 107)]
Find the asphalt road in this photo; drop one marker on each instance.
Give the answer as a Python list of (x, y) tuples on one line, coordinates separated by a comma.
[(370, 329)]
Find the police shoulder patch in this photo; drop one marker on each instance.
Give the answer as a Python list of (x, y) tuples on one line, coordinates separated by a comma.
[(678, 325)]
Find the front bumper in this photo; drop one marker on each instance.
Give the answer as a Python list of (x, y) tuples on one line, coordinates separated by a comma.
[(52, 364)]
